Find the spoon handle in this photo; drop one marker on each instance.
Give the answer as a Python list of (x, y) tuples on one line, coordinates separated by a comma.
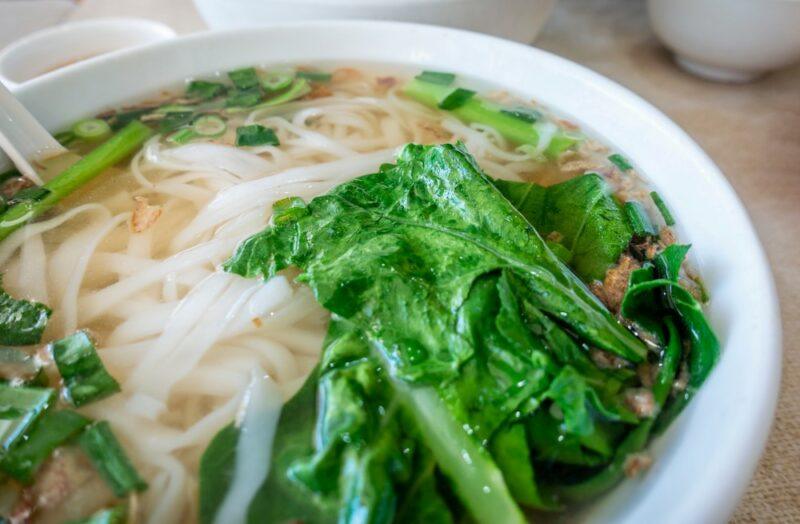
[(22, 137)]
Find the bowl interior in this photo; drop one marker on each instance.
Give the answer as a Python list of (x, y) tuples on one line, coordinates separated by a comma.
[(705, 460)]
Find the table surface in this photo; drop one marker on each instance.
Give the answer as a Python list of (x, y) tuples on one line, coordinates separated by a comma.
[(751, 131)]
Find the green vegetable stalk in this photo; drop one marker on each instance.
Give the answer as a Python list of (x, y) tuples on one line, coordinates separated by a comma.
[(116, 148)]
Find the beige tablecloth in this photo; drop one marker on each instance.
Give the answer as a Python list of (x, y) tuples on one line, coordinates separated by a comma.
[(751, 131)]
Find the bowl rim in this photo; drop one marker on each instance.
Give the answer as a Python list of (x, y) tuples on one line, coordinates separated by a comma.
[(722, 483)]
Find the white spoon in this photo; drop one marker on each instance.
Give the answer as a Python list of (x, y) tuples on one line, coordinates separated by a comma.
[(23, 138)]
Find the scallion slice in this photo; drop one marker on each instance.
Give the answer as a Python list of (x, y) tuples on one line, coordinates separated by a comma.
[(19, 409), (110, 460), (53, 429), (244, 98), (22, 322), (209, 126), (91, 129), (620, 161), (662, 208), (314, 76), (277, 80), (639, 221), (299, 89), (175, 120), (181, 136), (244, 78), (256, 135), (84, 375), (457, 98), (435, 77), (202, 90)]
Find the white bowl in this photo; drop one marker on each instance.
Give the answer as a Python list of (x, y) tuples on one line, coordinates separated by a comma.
[(48, 49), (729, 40), (519, 20), (705, 460)]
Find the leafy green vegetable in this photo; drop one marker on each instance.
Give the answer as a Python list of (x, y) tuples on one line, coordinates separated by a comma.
[(457, 98), (85, 378), (620, 161), (50, 431), (203, 90), (582, 213), (108, 457), (29, 195), (20, 407), (256, 135), (244, 78), (298, 89), (435, 77), (477, 109), (244, 98), (175, 120), (22, 322), (523, 113)]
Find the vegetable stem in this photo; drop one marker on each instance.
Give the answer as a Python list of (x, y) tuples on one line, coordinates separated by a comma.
[(104, 156)]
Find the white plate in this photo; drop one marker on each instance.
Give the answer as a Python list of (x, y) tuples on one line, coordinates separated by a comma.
[(705, 460)]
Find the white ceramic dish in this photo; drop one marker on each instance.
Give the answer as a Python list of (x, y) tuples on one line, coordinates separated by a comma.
[(705, 460), (65, 44), (729, 40), (519, 20)]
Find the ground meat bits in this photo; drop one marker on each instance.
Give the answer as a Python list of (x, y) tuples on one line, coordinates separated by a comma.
[(144, 215), (636, 463), (613, 287)]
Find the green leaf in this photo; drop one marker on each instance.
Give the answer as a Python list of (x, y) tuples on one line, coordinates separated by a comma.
[(590, 223), (457, 98), (22, 322), (425, 229), (50, 431), (110, 460), (175, 120), (84, 375), (256, 135), (203, 90), (244, 98), (244, 78)]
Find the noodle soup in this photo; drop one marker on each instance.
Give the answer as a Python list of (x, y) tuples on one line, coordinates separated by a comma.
[(184, 362)]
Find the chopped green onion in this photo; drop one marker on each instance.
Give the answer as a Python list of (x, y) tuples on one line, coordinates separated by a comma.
[(620, 161), (174, 108), (244, 78), (639, 221), (96, 162), (19, 409), (65, 138), (29, 194), (120, 120), (91, 129), (84, 375), (49, 432), (244, 98), (314, 76), (457, 98), (485, 112), (300, 88), (524, 114), (175, 120), (202, 90), (209, 126), (435, 77), (256, 135), (110, 460), (22, 322), (277, 80), (662, 208), (115, 515), (181, 136), (17, 365)]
